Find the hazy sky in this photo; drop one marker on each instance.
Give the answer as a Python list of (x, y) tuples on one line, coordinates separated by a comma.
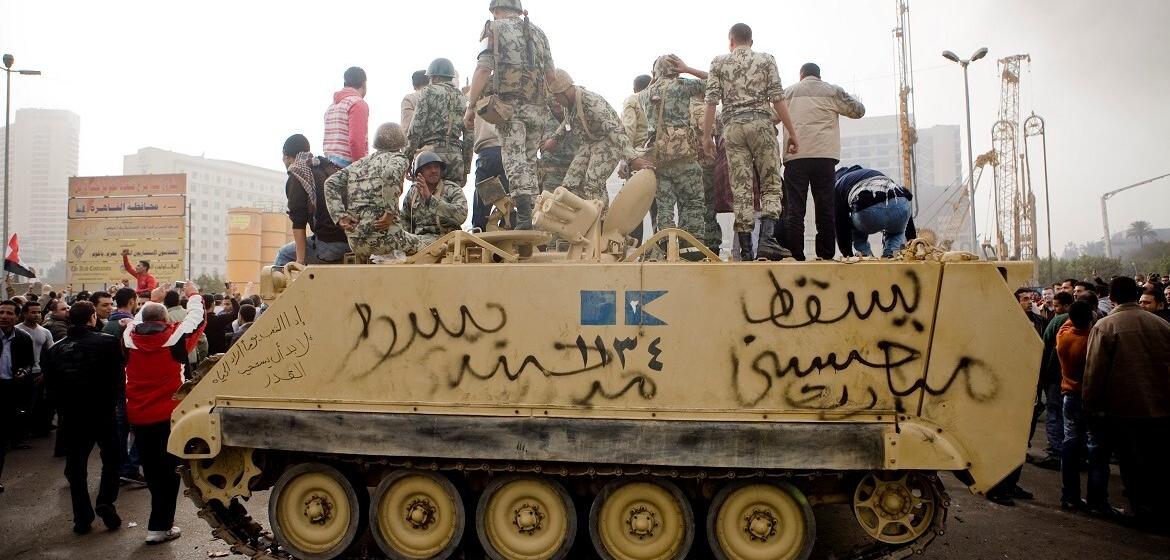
[(232, 80)]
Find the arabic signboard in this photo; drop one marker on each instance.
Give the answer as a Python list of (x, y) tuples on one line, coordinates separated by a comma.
[(142, 214), (129, 228), (110, 271), (128, 185), (127, 206)]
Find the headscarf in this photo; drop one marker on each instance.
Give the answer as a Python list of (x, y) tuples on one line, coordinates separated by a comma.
[(301, 171)]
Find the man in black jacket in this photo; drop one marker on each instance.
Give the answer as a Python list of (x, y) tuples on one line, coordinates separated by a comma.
[(305, 190), (83, 373), (16, 362)]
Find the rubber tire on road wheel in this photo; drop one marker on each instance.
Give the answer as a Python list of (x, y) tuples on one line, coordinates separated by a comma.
[(303, 479)]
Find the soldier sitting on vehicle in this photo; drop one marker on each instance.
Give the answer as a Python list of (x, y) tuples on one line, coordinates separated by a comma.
[(363, 198), (433, 207)]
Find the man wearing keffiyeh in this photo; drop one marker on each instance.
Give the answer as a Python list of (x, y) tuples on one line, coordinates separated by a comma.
[(306, 207)]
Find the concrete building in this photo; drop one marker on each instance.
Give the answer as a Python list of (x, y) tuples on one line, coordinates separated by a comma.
[(213, 187), (43, 150)]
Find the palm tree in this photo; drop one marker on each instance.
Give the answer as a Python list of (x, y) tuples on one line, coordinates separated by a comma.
[(1141, 230)]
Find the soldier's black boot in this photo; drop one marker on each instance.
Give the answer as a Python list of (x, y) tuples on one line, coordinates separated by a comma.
[(523, 211), (745, 247), (769, 248)]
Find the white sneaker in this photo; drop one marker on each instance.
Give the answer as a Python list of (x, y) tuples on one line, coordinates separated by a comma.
[(156, 537)]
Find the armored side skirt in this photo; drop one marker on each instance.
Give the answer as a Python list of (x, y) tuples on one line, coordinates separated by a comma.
[(749, 445)]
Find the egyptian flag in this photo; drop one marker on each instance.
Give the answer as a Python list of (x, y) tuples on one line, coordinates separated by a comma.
[(12, 261)]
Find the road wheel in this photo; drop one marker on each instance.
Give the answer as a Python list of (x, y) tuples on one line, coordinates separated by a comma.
[(641, 519), (761, 521), (526, 518), (896, 507), (416, 515), (314, 511)]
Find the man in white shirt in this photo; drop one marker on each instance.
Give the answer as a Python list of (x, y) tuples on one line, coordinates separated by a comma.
[(41, 414)]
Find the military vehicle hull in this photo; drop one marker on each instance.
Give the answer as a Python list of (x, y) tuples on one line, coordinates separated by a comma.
[(636, 410)]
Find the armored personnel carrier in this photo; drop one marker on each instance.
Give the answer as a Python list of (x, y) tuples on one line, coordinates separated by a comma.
[(489, 399)]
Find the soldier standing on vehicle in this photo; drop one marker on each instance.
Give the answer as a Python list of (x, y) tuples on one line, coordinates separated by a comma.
[(418, 80), (433, 207), (634, 112), (748, 85), (673, 146), (601, 136), (712, 231), (554, 164), (363, 198), (438, 122), (514, 65)]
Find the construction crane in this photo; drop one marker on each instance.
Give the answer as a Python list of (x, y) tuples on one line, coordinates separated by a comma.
[(949, 217), (907, 133), (1014, 205), (1105, 210)]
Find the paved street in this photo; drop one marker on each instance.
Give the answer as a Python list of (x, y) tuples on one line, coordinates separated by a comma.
[(35, 523)]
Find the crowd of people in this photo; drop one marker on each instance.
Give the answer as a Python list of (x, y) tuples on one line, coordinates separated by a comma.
[(729, 139), (1103, 391), (100, 369)]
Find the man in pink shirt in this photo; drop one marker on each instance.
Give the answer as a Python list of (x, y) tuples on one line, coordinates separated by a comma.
[(347, 121)]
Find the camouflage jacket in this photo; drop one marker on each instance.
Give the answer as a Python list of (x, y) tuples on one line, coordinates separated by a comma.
[(561, 157), (746, 82), (367, 188), (439, 215), (634, 119), (594, 120), (524, 58), (672, 96), (438, 120)]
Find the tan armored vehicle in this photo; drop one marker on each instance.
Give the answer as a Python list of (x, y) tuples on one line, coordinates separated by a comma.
[(598, 403)]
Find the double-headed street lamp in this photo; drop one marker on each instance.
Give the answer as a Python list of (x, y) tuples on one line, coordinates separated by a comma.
[(970, 157), (8, 71)]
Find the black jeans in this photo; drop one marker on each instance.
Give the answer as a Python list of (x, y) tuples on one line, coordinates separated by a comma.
[(488, 164), (84, 430), (1143, 455), (160, 470), (799, 176)]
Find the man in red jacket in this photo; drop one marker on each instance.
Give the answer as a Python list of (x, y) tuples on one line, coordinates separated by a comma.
[(156, 350), (146, 281)]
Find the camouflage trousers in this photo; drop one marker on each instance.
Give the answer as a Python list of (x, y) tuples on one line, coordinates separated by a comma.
[(552, 176), (456, 169), (681, 183), (366, 241), (712, 232), (591, 168), (752, 146), (520, 138)]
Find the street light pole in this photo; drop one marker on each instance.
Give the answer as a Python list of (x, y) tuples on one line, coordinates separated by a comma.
[(8, 60), (970, 151)]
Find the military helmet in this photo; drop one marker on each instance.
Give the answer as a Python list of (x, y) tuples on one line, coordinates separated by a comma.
[(507, 5), (561, 81), (442, 68), (426, 158)]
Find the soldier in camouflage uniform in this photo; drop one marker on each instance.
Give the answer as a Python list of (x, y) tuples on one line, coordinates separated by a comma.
[(363, 198), (433, 207), (712, 231), (517, 74), (603, 140), (554, 164), (438, 122), (680, 179), (748, 85)]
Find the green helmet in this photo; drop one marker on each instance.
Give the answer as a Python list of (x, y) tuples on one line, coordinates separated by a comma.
[(426, 158), (507, 5), (441, 67)]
